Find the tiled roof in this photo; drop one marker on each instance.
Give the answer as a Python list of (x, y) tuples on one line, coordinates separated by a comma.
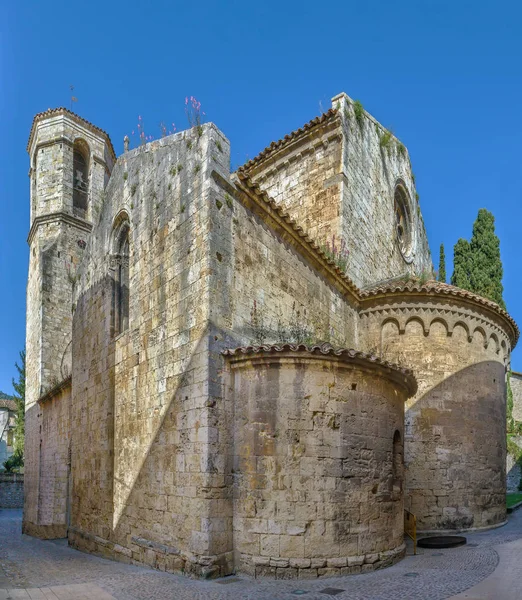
[(51, 112), (328, 350), (389, 287), (253, 187), (328, 115), (436, 287), (9, 404)]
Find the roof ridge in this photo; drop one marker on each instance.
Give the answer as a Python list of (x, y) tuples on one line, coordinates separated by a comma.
[(330, 113), (59, 110)]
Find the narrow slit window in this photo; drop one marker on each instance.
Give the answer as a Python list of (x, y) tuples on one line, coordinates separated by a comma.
[(121, 296), (397, 460)]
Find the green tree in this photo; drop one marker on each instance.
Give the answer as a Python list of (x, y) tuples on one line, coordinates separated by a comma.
[(486, 267), (19, 387), (442, 264), (461, 265)]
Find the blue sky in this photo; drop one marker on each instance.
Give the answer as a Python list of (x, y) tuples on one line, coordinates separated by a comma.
[(444, 75)]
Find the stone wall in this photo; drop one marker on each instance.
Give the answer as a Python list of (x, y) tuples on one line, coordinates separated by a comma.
[(11, 490), (48, 515), (57, 239), (513, 471), (146, 474), (270, 285), (516, 388), (335, 177), (214, 263), (317, 463), (458, 349), (202, 262), (303, 177)]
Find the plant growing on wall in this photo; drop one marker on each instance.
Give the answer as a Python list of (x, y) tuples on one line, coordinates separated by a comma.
[(358, 111), (336, 252), (385, 138), (194, 113), (259, 332), (442, 265)]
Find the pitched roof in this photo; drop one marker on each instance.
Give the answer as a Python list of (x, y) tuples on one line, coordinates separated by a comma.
[(437, 287), (264, 154), (261, 194), (326, 350), (52, 112), (9, 404)]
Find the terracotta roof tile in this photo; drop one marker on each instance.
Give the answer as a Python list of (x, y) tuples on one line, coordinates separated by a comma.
[(325, 349), (50, 112), (253, 187), (436, 287), (264, 154), (9, 404)]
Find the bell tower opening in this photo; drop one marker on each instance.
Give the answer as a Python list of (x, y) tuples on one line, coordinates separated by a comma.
[(81, 155)]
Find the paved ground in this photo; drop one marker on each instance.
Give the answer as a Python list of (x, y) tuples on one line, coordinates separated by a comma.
[(36, 569)]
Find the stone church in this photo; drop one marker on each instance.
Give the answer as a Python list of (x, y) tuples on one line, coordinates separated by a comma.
[(253, 371)]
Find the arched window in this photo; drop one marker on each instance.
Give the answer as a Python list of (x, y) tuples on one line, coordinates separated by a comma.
[(397, 461), (403, 222), (80, 178), (120, 264)]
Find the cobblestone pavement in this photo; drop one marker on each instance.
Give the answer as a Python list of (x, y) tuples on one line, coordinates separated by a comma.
[(31, 568)]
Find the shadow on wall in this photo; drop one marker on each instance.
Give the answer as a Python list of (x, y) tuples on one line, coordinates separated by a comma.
[(455, 450), (150, 463)]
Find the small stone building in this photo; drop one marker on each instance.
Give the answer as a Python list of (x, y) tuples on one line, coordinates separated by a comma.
[(251, 371)]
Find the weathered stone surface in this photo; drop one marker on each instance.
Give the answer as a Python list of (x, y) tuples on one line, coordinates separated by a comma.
[(11, 490), (340, 181), (458, 350), (145, 445), (293, 410)]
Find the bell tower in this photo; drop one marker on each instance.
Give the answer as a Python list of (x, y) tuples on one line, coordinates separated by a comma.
[(70, 164)]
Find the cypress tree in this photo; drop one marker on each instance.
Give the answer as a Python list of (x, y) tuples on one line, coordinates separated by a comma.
[(442, 265), (461, 265), (486, 267)]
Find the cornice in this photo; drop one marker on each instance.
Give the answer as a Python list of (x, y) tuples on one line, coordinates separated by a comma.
[(58, 216), (57, 389), (345, 355), (54, 112), (422, 294)]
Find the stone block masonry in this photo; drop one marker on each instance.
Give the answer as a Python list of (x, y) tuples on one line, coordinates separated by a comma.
[(458, 345), (150, 442), (317, 463), (337, 180), (11, 490)]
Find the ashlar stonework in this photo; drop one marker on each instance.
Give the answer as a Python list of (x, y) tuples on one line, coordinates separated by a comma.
[(192, 404)]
